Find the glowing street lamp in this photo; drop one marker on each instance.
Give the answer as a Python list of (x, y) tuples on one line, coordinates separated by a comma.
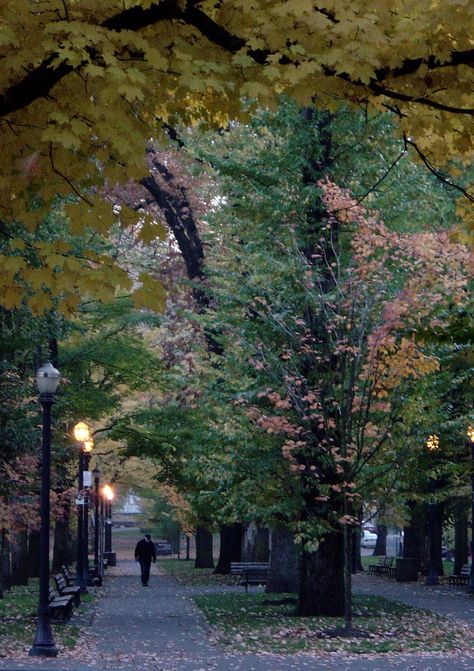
[(108, 492), (88, 445), (81, 432), (47, 380), (82, 435)]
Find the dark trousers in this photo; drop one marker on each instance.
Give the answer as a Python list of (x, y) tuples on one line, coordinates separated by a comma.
[(145, 569)]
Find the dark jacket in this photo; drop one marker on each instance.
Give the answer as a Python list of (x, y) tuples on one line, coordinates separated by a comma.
[(145, 550)]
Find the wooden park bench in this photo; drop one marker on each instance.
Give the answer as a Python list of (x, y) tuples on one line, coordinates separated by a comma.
[(252, 573), (60, 606), (67, 590), (461, 579), (68, 576), (384, 567)]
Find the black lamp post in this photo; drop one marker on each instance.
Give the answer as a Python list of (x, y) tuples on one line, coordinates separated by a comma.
[(82, 436), (470, 440), (98, 572), (108, 494), (102, 535), (432, 445), (88, 445), (47, 380)]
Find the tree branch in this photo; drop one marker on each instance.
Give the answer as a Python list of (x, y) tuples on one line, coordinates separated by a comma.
[(435, 171), (39, 81)]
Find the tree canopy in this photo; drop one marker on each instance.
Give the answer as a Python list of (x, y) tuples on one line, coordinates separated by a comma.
[(81, 82)]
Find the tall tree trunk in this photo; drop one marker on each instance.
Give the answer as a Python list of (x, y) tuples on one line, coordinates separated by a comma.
[(34, 553), (356, 551), (285, 562), (461, 544), (380, 549), (63, 542), (438, 531), (231, 547), (322, 578), (413, 535), (204, 557), (19, 558), (255, 543), (6, 565)]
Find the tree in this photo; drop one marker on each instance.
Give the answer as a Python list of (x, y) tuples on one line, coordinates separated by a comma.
[(269, 178), (324, 302), (83, 84)]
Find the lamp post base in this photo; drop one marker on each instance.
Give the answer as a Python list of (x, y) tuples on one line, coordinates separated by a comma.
[(46, 650)]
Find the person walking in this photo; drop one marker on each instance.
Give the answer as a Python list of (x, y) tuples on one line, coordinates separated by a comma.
[(145, 553)]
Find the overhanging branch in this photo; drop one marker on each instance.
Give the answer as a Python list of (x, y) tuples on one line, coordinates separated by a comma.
[(38, 82)]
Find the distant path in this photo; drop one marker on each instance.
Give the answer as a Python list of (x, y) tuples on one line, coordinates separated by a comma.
[(136, 628)]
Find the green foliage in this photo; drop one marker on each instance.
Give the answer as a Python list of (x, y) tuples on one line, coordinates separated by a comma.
[(163, 519)]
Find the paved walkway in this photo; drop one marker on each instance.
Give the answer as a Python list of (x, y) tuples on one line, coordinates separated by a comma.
[(159, 628), (455, 604)]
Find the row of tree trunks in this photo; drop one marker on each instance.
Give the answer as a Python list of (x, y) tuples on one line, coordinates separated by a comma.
[(20, 553), (417, 534), (5, 565), (63, 548), (306, 573), (19, 558), (34, 554)]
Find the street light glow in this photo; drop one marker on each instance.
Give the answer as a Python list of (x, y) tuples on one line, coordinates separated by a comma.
[(81, 432), (108, 492), (432, 443), (470, 433), (88, 445)]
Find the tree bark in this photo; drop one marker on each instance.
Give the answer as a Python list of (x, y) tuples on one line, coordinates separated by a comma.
[(461, 544), (438, 531), (204, 557), (380, 549), (322, 578), (413, 534), (19, 558), (6, 565), (34, 553), (63, 543), (285, 562), (231, 547), (255, 544), (356, 551)]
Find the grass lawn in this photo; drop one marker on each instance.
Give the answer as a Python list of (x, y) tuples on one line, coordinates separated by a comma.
[(261, 622), (18, 610), (185, 574)]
